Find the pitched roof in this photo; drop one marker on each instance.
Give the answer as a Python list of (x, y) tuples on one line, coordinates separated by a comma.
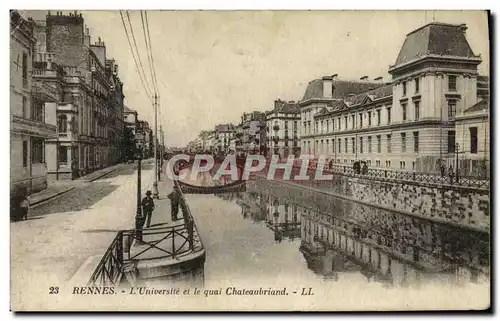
[(435, 39), (341, 88), (481, 105)]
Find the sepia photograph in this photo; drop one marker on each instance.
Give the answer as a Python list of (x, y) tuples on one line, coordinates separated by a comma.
[(250, 160)]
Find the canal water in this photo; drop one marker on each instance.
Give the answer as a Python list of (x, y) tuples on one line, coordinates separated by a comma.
[(275, 233)]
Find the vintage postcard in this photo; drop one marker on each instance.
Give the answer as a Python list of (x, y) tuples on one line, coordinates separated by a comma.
[(249, 160)]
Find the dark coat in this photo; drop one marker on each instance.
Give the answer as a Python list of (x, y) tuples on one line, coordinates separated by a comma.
[(148, 204)]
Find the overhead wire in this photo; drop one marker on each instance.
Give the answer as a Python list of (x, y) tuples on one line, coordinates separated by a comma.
[(147, 43), (137, 52), (133, 56), (151, 50)]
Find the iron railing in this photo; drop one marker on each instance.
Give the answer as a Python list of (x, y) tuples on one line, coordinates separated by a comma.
[(109, 271), (411, 176), (171, 241)]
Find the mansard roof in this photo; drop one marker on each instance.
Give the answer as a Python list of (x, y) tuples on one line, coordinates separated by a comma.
[(341, 88), (435, 39), (369, 96)]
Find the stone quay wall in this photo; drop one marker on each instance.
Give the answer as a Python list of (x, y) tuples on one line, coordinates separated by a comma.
[(467, 207)]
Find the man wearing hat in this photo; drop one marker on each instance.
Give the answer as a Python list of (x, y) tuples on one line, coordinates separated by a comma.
[(174, 202), (147, 207)]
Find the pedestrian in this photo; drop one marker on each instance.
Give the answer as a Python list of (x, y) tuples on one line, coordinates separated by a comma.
[(443, 170), (24, 205), (174, 202), (148, 206)]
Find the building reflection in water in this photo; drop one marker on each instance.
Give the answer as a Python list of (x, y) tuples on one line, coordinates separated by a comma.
[(383, 246)]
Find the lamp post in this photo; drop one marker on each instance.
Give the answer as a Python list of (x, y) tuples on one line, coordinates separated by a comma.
[(457, 146), (155, 180), (139, 220)]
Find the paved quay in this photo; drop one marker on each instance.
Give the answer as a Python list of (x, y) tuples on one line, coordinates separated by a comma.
[(49, 247)]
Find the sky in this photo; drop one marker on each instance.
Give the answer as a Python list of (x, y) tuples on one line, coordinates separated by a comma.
[(212, 66)]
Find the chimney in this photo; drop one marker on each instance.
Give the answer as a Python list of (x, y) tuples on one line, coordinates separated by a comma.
[(86, 37), (463, 27), (364, 78), (378, 79), (327, 87)]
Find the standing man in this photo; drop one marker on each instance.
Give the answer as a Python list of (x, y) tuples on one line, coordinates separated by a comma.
[(175, 202), (147, 207)]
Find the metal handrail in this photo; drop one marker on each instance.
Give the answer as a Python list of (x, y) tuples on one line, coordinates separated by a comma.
[(110, 269), (395, 175)]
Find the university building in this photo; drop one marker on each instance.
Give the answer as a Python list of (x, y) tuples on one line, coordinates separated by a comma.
[(430, 114)]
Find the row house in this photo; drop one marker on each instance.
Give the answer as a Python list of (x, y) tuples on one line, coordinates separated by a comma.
[(87, 101), (282, 128), (146, 133), (236, 142), (409, 124), (254, 135), (223, 135), (30, 126)]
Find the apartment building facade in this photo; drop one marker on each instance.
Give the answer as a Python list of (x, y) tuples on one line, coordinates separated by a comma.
[(88, 97), (223, 135), (253, 132), (282, 129), (30, 125)]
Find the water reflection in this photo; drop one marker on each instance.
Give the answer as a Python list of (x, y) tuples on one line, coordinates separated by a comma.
[(340, 236)]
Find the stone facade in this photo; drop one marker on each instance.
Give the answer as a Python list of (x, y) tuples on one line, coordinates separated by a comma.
[(30, 124), (409, 123), (87, 95), (460, 206), (253, 130), (282, 129)]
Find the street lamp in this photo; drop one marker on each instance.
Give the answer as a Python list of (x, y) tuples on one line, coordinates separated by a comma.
[(139, 219), (457, 146)]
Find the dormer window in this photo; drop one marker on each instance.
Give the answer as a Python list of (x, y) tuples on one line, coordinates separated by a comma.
[(452, 83)]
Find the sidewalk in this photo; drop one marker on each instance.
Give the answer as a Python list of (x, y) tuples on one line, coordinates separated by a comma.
[(58, 188), (161, 218)]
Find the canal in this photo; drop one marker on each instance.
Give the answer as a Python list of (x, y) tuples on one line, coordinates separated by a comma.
[(276, 234)]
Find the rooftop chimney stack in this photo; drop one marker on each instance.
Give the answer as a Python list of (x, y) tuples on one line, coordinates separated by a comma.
[(364, 78), (378, 79)]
